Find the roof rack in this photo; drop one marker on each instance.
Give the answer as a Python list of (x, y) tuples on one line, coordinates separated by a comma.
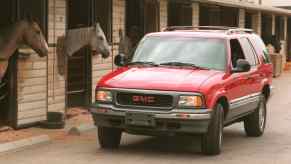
[(239, 30), (228, 30)]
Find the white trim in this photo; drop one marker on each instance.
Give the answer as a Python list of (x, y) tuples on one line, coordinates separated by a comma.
[(245, 100)]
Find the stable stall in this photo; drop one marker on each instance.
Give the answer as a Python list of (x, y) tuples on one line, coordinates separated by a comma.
[(23, 98), (180, 13), (215, 15)]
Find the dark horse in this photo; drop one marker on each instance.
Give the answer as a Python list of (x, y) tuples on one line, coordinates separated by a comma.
[(24, 32)]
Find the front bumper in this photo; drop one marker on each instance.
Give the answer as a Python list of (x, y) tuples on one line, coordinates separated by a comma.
[(152, 122)]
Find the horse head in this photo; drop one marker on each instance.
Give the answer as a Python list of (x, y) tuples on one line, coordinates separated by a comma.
[(98, 43), (33, 37)]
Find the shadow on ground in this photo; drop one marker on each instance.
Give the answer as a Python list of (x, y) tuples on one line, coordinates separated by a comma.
[(177, 145)]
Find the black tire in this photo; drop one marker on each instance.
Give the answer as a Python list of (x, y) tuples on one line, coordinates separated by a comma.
[(255, 123), (109, 138), (212, 141)]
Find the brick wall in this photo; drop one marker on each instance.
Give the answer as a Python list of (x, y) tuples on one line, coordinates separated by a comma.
[(195, 12), (56, 83), (257, 22), (163, 14), (242, 15)]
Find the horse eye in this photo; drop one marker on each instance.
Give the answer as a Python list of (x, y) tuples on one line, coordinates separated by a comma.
[(101, 38)]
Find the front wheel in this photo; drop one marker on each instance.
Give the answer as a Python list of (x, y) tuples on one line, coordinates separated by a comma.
[(212, 140), (109, 138), (255, 123)]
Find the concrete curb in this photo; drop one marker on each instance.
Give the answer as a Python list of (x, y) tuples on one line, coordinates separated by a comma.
[(78, 130), (23, 144)]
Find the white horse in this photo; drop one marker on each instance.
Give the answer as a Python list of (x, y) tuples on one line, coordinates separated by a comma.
[(76, 39)]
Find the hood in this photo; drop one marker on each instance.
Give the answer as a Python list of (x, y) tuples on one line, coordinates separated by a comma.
[(157, 78)]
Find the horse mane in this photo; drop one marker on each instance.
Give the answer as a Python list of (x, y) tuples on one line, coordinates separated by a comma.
[(60, 50), (75, 39), (70, 43), (6, 31)]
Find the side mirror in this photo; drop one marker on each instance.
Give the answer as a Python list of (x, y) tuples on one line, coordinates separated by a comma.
[(120, 60), (242, 66)]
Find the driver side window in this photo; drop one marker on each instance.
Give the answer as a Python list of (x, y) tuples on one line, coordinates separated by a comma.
[(236, 52)]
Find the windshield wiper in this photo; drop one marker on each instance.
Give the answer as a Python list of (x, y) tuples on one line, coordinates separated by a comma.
[(182, 64), (143, 63)]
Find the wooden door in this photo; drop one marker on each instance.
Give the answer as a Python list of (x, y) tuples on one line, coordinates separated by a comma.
[(229, 16), (28, 115), (79, 15), (289, 39), (102, 13), (144, 15), (179, 14), (12, 10), (249, 20), (8, 98), (209, 15), (151, 16), (134, 15), (37, 9), (266, 26)]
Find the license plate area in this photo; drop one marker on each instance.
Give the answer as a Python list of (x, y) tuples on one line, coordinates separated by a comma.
[(139, 119)]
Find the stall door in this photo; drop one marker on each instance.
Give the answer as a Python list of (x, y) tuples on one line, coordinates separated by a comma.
[(266, 27), (151, 19), (28, 114), (79, 65), (229, 16), (143, 14), (37, 9), (179, 14), (249, 20), (8, 85), (289, 40), (103, 15), (134, 15), (209, 15), (8, 97)]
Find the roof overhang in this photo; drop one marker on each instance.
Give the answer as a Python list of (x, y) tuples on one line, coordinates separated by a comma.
[(247, 6)]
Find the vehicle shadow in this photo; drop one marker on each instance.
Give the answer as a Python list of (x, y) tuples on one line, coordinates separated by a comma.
[(182, 145)]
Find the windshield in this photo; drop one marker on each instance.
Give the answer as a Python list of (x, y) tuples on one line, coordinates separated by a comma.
[(201, 52)]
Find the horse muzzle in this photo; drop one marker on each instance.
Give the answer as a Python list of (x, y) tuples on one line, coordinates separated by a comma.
[(104, 54), (42, 53)]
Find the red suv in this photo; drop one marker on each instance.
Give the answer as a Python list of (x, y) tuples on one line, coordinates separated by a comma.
[(185, 81)]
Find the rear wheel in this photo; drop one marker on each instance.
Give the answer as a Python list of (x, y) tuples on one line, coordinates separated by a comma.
[(109, 138), (212, 140), (255, 123)]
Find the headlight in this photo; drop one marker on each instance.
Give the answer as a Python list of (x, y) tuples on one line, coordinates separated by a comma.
[(104, 96), (191, 101)]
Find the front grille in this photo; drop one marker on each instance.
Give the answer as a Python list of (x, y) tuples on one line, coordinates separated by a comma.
[(144, 100)]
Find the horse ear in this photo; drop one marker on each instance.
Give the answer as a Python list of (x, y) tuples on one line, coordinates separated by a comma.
[(29, 17), (97, 26)]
